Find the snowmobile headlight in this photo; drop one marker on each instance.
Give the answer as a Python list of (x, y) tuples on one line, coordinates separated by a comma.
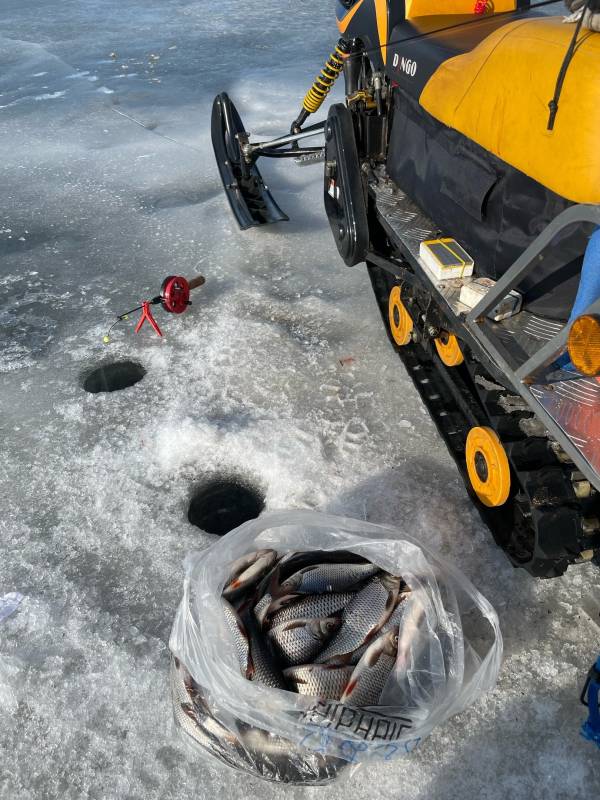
[(584, 344)]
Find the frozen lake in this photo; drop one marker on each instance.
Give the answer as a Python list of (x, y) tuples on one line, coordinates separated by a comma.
[(280, 373)]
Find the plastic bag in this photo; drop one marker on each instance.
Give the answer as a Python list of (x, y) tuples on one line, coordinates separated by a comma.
[(452, 654)]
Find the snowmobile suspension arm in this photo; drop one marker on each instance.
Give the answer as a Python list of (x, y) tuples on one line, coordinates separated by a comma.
[(271, 149)]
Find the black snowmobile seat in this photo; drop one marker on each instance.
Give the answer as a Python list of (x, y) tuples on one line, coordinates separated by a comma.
[(422, 44)]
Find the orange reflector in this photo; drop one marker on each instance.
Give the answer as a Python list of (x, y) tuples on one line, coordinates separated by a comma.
[(584, 344)]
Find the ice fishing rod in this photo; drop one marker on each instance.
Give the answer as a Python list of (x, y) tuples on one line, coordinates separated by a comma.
[(174, 297)]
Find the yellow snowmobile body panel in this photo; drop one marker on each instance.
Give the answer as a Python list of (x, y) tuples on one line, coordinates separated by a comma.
[(425, 8), (498, 94)]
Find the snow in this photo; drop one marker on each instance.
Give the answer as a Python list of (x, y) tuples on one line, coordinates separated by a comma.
[(280, 372)]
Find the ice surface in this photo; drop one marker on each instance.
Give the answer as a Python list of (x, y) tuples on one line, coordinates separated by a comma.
[(280, 372), (9, 604)]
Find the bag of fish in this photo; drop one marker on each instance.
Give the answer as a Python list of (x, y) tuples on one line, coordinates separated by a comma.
[(305, 643)]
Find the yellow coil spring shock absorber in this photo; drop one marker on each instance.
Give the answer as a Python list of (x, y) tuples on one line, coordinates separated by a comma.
[(323, 83)]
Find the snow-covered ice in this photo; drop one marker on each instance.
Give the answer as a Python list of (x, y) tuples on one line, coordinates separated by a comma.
[(280, 372)]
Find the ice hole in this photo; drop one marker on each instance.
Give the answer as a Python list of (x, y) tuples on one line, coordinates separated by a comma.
[(113, 377), (222, 503)]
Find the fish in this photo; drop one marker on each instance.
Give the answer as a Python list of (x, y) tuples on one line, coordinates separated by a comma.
[(319, 680), (268, 595), (318, 578), (277, 758), (299, 640), (267, 744), (247, 571), (275, 591), (239, 633), (193, 718), (394, 621), (293, 562), (270, 755), (262, 666), (261, 608), (363, 618), (409, 630), (311, 607), (372, 671)]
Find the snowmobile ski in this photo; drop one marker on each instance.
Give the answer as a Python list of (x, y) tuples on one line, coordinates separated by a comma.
[(250, 199)]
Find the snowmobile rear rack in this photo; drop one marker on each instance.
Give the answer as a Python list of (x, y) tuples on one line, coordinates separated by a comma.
[(249, 197)]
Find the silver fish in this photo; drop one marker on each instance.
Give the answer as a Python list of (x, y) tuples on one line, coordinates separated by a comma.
[(261, 608), (395, 620), (279, 759), (199, 726), (243, 562), (409, 630), (312, 607), (267, 744), (262, 667), (372, 671), (319, 578), (268, 595), (363, 618), (239, 633), (269, 605), (247, 571), (299, 640), (189, 725), (319, 680)]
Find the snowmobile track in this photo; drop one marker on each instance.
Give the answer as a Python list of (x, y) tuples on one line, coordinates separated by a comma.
[(542, 527)]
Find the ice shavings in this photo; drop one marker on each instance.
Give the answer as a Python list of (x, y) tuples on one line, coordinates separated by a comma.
[(9, 604)]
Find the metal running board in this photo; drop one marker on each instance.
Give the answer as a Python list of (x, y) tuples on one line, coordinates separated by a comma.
[(523, 348)]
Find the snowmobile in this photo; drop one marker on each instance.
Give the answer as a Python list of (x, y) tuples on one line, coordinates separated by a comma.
[(463, 171)]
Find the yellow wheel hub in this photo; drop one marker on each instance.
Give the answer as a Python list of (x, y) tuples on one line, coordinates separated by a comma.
[(488, 467), (449, 349), (401, 324)]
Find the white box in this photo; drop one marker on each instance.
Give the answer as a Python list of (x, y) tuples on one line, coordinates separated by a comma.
[(446, 259), (472, 293)]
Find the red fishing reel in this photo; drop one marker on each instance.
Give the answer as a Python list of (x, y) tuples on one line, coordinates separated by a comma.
[(174, 297), (175, 294)]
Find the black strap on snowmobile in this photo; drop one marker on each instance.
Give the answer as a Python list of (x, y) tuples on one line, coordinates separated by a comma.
[(560, 81)]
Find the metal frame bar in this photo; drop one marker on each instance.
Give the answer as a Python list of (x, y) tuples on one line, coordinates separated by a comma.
[(290, 152), (521, 378), (391, 266), (548, 352), (313, 130), (525, 263)]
